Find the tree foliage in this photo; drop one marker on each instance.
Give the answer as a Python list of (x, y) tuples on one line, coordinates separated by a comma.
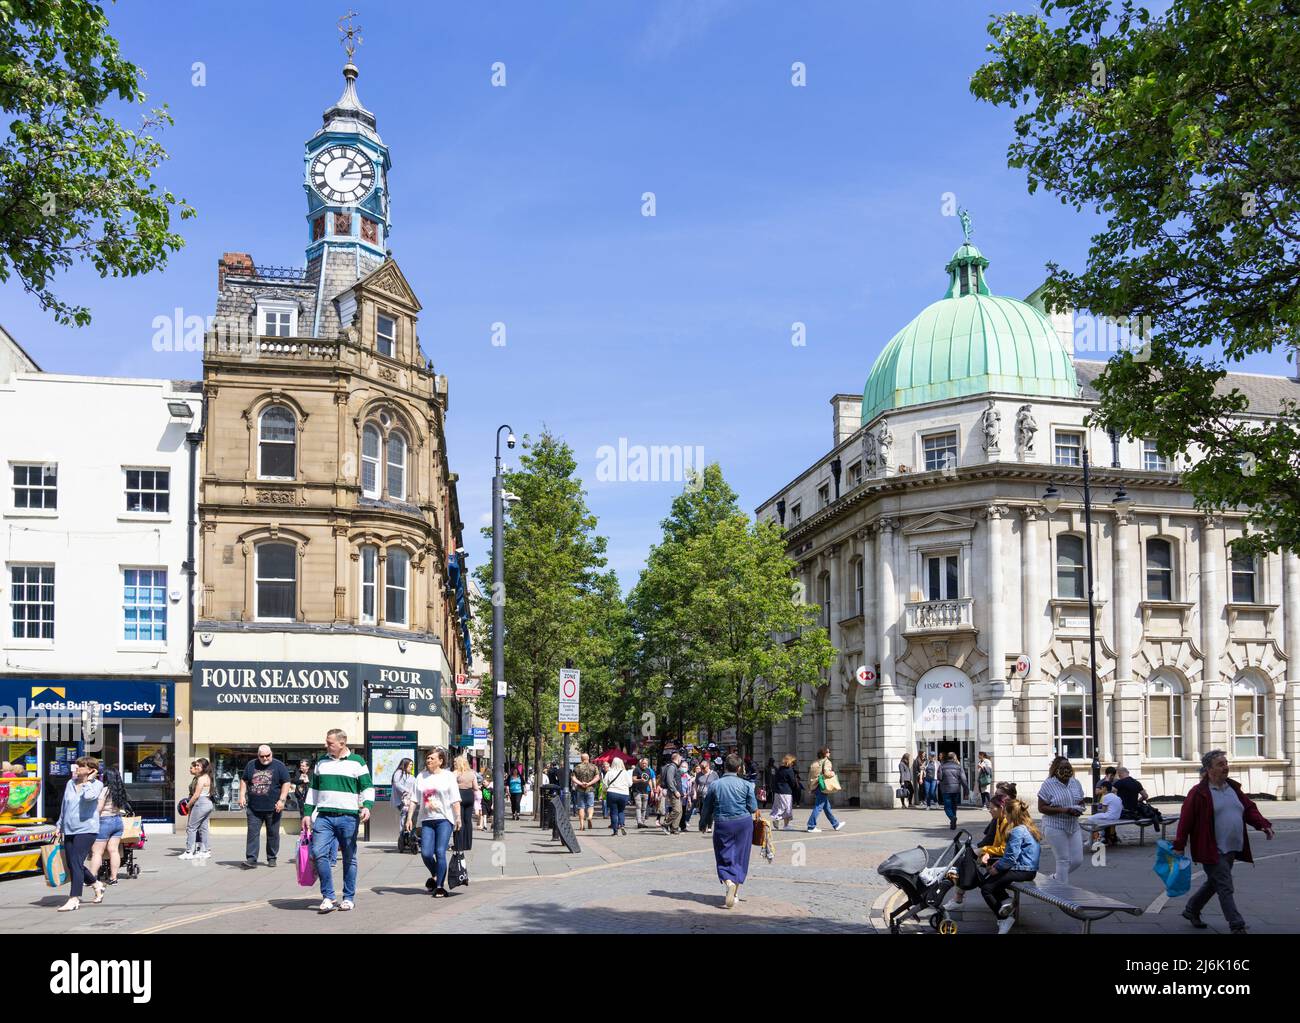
[(717, 617), (1183, 131), (74, 183)]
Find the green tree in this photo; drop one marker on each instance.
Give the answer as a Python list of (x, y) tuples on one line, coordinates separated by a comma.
[(718, 618), (73, 182), (558, 601), (1183, 131)]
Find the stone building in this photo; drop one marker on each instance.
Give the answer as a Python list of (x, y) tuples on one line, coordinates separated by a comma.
[(946, 567), (329, 525)]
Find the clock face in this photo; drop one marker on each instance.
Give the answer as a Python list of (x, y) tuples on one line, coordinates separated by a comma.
[(342, 174)]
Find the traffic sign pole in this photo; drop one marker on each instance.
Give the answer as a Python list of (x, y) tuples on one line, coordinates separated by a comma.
[(564, 771)]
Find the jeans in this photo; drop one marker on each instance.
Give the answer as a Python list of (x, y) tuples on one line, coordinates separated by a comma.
[(686, 814), (435, 836), (328, 836), (75, 850), (931, 791), (951, 800), (617, 810), (1218, 880), (198, 836), (820, 803), (256, 820), (1068, 849), (641, 799), (994, 887)]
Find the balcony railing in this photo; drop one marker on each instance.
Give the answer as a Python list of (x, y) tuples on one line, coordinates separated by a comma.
[(252, 349), (940, 615)]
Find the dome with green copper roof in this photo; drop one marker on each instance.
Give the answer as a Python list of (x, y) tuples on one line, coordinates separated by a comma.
[(969, 342)]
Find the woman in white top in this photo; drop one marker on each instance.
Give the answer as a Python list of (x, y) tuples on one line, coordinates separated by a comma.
[(618, 784), (438, 797)]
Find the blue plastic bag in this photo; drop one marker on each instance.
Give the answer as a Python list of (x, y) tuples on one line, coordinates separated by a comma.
[(1174, 870)]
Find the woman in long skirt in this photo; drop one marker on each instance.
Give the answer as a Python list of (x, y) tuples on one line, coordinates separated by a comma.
[(731, 807)]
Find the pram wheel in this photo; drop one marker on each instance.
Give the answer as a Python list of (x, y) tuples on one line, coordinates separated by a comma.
[(948, 927), (936, 922), (133, 871)]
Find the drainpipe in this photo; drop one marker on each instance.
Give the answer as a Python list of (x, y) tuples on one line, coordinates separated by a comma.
[(193, 439)]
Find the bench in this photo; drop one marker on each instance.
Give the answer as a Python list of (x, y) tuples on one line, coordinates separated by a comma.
[(1142, 825), (1083, 905)]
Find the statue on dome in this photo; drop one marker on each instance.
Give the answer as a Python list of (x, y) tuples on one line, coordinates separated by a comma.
[(963, 215), (991, 422), (1026, 427)]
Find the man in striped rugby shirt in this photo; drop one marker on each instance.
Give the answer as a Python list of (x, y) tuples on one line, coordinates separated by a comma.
[(337, 803)]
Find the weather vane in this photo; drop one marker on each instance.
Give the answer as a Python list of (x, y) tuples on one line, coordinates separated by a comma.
[(351, 34), (964, 216)]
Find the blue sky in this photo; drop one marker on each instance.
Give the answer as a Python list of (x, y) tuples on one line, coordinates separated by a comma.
[(523, 205)]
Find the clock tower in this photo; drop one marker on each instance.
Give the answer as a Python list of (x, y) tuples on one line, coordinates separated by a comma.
[(346, 179)]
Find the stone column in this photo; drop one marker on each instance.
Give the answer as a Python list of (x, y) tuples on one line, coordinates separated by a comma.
[(1215, 694), (1032, 577), (996, 642), (893, 715), (1289, 747), (1127, 744), (887, 624)]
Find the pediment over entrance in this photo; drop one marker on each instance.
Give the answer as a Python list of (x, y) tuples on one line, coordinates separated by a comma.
[(939, 522)]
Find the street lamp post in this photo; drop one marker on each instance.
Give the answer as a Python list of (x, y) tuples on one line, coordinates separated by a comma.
[(1052, 501), (498, 645)]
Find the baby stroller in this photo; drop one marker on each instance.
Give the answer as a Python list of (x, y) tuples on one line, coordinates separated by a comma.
[(127, 848), (926, 878)]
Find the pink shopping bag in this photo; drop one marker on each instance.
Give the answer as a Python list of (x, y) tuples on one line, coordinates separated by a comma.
[(306, 865)]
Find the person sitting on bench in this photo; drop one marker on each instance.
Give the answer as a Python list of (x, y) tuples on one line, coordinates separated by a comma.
[(1112, 811), (1134, 798), (1018, 863)]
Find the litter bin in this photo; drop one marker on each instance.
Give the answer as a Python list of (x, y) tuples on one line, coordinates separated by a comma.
[(548, 792)]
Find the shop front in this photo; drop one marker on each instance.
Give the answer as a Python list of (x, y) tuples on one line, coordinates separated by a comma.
[(288, 689), (128, 725)]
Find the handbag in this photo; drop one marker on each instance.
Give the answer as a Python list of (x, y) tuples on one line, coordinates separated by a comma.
[(1174, 870), (130, 828), (828, 783), (306, 865), (900, 793), (457, 872), (761, 828), (52, 865)]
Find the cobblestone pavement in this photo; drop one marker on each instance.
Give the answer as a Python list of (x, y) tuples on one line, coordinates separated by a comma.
[(647, 881)]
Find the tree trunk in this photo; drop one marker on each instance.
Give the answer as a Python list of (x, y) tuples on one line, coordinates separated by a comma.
[(537, 754)]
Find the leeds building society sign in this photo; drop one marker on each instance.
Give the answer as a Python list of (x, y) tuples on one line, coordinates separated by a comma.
[(267, 685)]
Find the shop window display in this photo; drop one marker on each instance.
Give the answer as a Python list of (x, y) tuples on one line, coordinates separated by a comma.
[(228, 763)]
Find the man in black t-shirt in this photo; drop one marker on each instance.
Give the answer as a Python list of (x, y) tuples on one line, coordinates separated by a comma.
[(642, 778), (1134, 798), (263, 790)]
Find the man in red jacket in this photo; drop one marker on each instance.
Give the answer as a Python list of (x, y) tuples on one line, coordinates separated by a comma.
[(1214, 816)]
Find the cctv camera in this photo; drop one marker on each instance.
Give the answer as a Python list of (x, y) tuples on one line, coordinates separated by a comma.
[(510, 440), (509, 499)]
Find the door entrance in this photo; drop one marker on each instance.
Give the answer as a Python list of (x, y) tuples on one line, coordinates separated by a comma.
[(967, 756)]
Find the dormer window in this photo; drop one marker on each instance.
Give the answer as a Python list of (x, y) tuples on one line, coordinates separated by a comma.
[(386, 335), (277, 318)]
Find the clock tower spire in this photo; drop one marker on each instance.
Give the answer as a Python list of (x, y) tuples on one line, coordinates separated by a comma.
[(346, 168)]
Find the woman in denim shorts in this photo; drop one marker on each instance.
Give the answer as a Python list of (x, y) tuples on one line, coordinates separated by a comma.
[(115, 806)]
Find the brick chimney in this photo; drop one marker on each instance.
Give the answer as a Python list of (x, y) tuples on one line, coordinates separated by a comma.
[(238, 263)]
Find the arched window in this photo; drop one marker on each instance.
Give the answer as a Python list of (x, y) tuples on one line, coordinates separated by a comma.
[(276, 581), (369, 569), (1069, 567), (370, 461), (396, 467), (1247, 718), (1164, 718), (1072, 720), (1160, 570), (276, 440), (396, 586)]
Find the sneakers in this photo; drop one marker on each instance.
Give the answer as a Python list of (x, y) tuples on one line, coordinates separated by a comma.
[(1006, 909), (1195, 920), (326, 906), (1243, 929), (186, 855), (1005, 925), (345, 905), (623, 832), (813, 831), (270, 863), (203, 854), (430, 884), (99, 892), (840, 826), (952, 825), (732, 887), (249, 864)]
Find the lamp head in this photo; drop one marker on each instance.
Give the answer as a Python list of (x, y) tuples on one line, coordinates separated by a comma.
[(1122, 501), (1051, 499)]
